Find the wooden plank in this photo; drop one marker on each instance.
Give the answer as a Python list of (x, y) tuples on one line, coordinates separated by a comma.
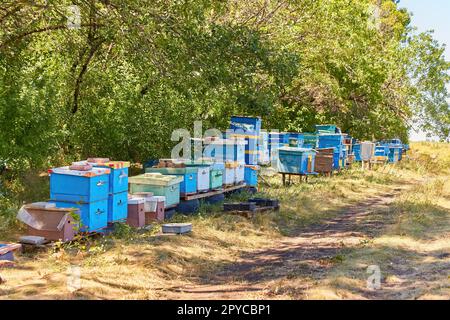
[(250, 214), (213, 193)]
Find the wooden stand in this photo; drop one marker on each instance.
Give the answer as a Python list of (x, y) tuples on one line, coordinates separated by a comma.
[(300, 176), (366, 164), (212, 193)]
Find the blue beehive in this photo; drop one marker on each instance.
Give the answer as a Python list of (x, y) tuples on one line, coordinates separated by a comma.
[(296, 160), (118, 178), (295, 139), (246, 124), (382, 151), (336, 157), (118, 206), (394, 153), (274, 141), (118, 187), (86, 190), (228, 149), (189, 174), (310, 140), (357, 151), (327, 129), (248, 128), (251, 175), (79, 186), (94, 215), (331, 141), (284, 139)]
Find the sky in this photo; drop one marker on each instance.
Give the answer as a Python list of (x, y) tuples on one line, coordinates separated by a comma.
[(430, 15)]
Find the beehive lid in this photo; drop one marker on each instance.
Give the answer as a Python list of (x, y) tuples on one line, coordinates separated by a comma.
[(113, 164), (296, 150), (49, 219), (143, 194), (43, 205), (89, 173), (218, 166), (253, 167), (136, 200), (156, 179), (169, 171), (198, 163), (234, 139)]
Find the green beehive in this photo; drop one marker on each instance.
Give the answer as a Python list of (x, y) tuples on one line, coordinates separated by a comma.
[(310, 140), (159, 184)]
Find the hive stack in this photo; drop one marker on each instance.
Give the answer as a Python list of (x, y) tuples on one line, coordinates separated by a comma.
[(86, 190), (118, 187), (357, 151), (248, 128), (263, 145), (335, 140), (310, 140), (274, 144)]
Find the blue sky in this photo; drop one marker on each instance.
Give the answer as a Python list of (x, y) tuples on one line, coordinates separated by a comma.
[(430, 15)]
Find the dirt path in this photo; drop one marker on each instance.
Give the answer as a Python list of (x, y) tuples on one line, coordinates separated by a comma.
[(306, 256)]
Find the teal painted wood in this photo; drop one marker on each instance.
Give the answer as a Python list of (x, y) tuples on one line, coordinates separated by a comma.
[(171, 192), (216, 179), (295, 160), (203, 173), (189, 183), (394, 154), (327, 128)]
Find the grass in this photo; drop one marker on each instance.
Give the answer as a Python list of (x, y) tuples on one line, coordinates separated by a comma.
[(140, 265)]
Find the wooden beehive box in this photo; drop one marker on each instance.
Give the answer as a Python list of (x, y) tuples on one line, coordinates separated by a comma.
[(324, 160), (52, 223)]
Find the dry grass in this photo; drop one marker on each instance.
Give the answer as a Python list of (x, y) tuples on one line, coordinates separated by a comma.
[(413, 252), (136, 265)]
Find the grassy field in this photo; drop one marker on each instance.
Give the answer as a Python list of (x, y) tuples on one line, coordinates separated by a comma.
[(318, 246)]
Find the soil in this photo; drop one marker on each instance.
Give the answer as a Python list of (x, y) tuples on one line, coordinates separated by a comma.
[(309, 252)]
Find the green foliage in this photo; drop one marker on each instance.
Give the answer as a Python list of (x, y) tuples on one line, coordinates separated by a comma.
[(136, 70)]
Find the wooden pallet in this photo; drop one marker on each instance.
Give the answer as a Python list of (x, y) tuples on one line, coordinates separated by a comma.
[(251, 214), (213, 193)]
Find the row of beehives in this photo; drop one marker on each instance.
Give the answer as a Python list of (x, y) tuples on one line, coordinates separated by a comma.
[(101, 193), (97, 190), (326, 150)]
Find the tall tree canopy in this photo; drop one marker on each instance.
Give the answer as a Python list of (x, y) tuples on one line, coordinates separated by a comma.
[(134, 70)]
